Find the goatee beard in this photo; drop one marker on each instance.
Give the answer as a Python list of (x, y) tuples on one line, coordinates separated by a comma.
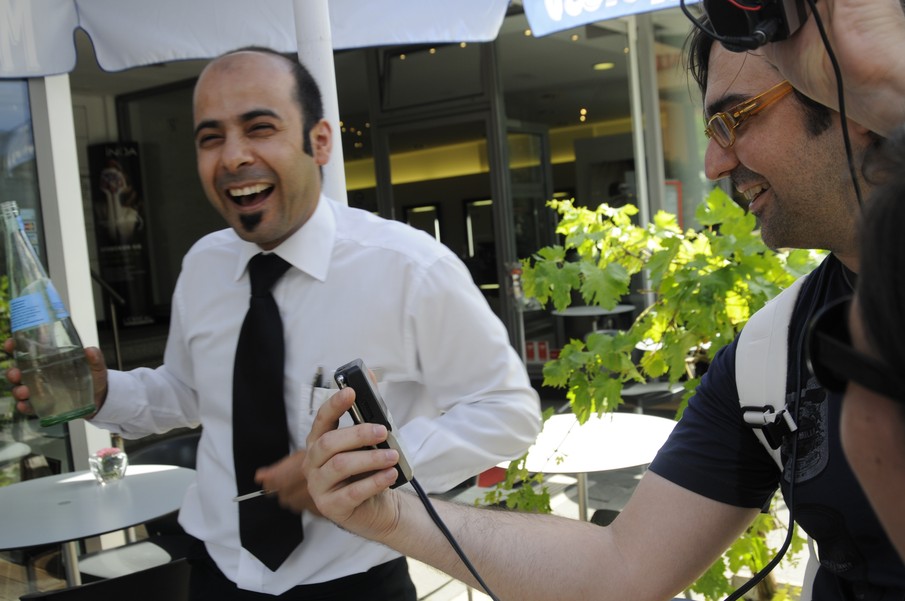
[(250, 222)]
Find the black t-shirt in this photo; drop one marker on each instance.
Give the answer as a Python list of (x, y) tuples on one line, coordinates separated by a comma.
[(712, 452)]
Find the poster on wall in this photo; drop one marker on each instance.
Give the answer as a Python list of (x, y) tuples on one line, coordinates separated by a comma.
[(116, 196)]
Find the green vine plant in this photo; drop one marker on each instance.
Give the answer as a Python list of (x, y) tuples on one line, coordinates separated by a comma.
[(703, 285)]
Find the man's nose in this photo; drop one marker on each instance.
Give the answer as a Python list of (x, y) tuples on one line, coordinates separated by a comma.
[(718, 161), (236, 153)]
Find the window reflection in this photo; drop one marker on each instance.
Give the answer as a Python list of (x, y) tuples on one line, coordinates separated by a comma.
[(425, 218), (481, 257)]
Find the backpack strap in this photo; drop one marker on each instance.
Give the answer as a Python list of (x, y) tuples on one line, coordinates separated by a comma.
[(760, 370), (760, 374)]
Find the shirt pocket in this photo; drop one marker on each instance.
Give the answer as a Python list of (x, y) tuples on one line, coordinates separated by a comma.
[(317, 396)]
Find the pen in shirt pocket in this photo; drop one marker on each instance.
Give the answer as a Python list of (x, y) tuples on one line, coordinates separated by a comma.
[(318, 381), (322, 381)]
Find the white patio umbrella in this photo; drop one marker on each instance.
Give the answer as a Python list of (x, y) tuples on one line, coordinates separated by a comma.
[(36, 36)]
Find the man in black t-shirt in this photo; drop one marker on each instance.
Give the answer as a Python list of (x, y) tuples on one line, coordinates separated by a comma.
[(801, 204)]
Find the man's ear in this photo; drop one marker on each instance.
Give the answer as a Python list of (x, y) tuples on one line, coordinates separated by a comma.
[(321, 136)]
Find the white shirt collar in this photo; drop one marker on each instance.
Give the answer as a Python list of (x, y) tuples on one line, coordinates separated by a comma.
[(309, 249)]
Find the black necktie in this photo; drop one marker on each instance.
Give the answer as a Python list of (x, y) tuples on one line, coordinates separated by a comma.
[(260, 431)]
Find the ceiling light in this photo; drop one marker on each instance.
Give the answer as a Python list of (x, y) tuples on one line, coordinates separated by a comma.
[(606, 66)]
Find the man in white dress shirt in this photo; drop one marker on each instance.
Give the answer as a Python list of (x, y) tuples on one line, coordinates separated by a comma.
[(358, 286)]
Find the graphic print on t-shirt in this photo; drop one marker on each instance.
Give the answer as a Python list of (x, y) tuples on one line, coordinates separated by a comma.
[(813, 444)]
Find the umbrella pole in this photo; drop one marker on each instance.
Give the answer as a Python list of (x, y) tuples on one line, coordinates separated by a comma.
[(315, 50)]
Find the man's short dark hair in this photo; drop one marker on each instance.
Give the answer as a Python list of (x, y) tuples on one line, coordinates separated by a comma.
[(818, 117), (307, 93)]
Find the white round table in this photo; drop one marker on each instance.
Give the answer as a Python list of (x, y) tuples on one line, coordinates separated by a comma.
[(613, 441), (68, 507), (13, 451)]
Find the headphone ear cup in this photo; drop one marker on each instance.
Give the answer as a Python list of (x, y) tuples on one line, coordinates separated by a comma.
[(726, 19)]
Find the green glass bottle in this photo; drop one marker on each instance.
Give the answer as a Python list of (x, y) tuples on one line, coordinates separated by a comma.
[(48, 349)]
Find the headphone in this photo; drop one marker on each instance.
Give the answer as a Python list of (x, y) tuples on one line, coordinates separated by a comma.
[(748, 24)]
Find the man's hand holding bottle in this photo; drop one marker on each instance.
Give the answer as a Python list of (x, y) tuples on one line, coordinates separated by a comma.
[(21, 393)]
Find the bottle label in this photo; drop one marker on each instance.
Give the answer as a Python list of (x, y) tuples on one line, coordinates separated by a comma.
[(56, 303), (28, 311)]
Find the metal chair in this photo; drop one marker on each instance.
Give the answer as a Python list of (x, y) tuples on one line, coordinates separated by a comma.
[(168, 581), (166, 540)]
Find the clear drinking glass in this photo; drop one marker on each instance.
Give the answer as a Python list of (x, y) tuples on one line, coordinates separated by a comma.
[(108, 464)]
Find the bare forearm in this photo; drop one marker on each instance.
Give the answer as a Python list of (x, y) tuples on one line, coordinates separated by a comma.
[(519, 556), (530, 556)]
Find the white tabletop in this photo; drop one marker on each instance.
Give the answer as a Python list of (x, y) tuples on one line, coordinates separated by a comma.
[(72, 506), (614, 441), (13, 451), (593, 310)]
